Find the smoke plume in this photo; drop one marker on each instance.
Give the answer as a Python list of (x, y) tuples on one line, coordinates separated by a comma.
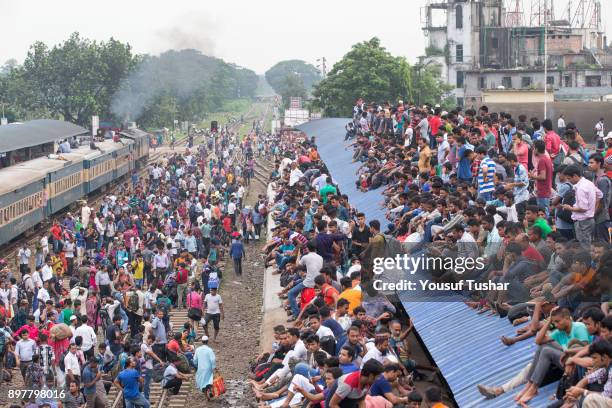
[(181, 68)]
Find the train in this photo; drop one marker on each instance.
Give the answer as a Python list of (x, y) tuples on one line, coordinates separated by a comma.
[(35, 190)]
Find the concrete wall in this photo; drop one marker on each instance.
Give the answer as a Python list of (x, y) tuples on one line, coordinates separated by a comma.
[(492, 97), (583, 114)]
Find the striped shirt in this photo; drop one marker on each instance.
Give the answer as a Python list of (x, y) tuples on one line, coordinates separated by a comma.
[(487, 166)]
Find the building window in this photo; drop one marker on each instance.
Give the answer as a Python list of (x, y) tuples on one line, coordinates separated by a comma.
[(507, 82), (460, 101), (458, 17), (525, 82), (550, 80), (459, 53), (494, 43), (593, 80), (460, 79), (567, 81), (483, 82)]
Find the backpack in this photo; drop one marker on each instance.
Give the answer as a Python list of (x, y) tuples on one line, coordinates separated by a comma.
[(22, 293), (568, 198), (3, 335), (62, 365), (558, 160), (133, 303)]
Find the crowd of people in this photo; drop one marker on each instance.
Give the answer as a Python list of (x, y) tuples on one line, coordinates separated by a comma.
[(342, 345), (532, 204), (90, 306)]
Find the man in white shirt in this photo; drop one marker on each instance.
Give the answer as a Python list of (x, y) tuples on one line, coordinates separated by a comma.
[(561, 124), (24, 258), (231, 210), (295, 175), (24, 350), (316, 326), (43, 293), (320, 181), (85, 214), (79, 293), (380, 352), (213, 307), (443, 149), (47, 270), (89, 337), (72, 368), (408, 136), (284, 164), (466, 244)]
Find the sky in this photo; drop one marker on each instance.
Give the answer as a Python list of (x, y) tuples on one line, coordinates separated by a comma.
[(253, 34)]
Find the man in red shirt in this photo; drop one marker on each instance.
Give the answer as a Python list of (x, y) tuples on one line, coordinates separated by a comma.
[(56, 232), (552, 139), (351, 389), (329, 293), (182, 276), (543, 176), (435, 122)]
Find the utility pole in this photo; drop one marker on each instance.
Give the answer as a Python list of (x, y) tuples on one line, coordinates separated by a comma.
[(322, 66), (3, 120), (545, 58)]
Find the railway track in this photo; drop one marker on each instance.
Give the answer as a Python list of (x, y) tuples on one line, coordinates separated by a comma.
[(159, 397)]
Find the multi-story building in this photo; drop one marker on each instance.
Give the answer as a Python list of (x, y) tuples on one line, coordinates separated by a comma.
[(483, 45)]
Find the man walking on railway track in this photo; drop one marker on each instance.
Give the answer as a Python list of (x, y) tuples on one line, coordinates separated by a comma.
[(205, 362), (237, 253)]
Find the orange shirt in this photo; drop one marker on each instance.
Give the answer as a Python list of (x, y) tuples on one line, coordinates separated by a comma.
[(354, 298), (583, 280)]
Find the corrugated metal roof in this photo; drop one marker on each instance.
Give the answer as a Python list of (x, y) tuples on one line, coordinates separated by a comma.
[(464, 345), (18, 136)]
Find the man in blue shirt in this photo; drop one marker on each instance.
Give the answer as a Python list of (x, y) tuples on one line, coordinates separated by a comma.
[(464, 158), (382, 385), (511, 128), (91, 376), (346, 359), (237, 254), (128, 381)]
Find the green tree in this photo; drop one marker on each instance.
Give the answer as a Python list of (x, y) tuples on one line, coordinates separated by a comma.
[(278, 74), (161, 112), (75, 79), (369, 71), (292, 86)]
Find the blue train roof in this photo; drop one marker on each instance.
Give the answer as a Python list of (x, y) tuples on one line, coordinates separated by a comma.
[(464, 345)]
